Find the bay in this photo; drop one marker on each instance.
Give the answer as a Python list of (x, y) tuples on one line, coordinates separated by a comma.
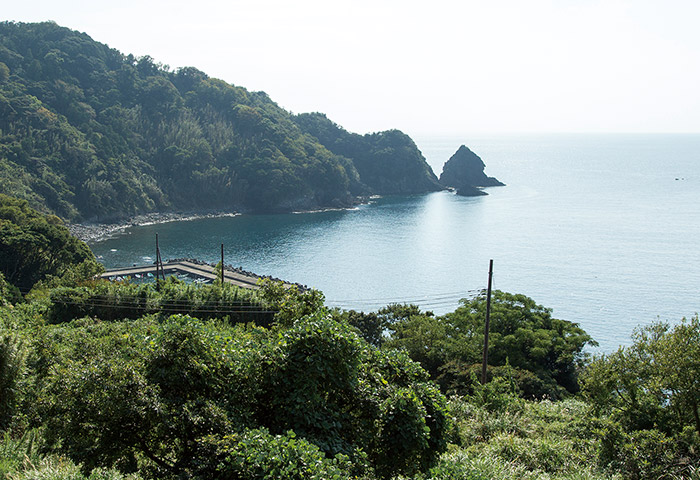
[(603, 229)]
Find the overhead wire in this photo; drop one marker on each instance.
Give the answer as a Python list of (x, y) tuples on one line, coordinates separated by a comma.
[(425, 301), (433, 300), (208, 308)]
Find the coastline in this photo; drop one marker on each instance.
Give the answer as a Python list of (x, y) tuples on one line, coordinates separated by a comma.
[(97, 232)]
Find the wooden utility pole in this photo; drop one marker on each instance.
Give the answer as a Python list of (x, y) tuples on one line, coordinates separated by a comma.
[(222, 265), (159, 265), (486, 326)]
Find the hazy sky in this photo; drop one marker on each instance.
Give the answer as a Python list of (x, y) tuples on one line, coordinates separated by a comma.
[(425, 67)]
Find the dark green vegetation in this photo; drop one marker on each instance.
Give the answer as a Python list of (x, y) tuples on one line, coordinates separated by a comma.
[(87, 133), (387, 162), (464, 172), (543, 354), (34, 247), (120, 381)]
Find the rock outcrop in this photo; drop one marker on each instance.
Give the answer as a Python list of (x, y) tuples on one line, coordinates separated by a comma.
[(464, 172)]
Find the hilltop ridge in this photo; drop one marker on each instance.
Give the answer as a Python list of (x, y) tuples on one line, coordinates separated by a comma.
[(91, 134)]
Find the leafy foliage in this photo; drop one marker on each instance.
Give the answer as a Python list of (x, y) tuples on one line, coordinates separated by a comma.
[(544, 352), (289, 302), (13, 358), (654, 382), (111, 301), (651, 392), (8, 293), (258, 454), (21, 458), (330, 387), (147, 392), (521, 440), (34, 246), (370, 325), (175, 396)]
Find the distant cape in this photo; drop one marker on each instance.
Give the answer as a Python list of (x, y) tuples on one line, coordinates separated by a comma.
[(464, 172)]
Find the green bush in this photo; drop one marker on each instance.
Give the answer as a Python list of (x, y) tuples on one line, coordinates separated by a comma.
[(647, 454), (331, 388), (34, 246), (652, 384), (8, 293), (256, 454), (545, 353), (123, 300), (13, 358), (523, 439), (144, 395), (119, 394)]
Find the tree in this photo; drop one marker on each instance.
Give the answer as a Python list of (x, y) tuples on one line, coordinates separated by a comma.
[(522, 333), (526, 335), (370, 325), (8, 293), (330, 387), (159, 394), (4, 73), (422, 335), (34, 246), (123, 392), (290, 301), (655, 382)]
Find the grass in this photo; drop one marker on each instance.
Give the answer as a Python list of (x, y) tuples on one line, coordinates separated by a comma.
[(523, 441)]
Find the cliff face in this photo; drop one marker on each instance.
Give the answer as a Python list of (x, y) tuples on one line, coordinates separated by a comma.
[(388, 162), (464, 172)]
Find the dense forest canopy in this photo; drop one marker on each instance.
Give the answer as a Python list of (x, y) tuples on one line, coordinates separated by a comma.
[(381, 159), (88, 133)]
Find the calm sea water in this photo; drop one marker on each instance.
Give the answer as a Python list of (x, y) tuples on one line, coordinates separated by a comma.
[(603, 229)]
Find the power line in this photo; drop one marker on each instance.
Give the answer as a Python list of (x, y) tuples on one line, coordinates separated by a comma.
[(395, 299), (209, 308)]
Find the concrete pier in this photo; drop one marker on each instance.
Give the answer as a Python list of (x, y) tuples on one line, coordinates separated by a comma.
[(203, 271)]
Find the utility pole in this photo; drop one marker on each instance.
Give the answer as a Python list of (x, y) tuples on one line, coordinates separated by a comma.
[(486, 326), (159, 265), (222, 265)]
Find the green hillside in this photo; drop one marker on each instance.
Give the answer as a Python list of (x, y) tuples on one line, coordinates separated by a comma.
[(88, 133), (388, 162)]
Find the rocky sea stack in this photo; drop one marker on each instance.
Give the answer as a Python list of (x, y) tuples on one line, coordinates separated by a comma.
[(464, 172)]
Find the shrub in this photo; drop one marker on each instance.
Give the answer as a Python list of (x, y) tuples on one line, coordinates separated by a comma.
[(13, 358), (256, 454), (643, 454), (331, 388), (122, 300), (145, 395)]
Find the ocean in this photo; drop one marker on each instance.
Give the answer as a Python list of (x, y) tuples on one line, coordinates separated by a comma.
[(602, 229)]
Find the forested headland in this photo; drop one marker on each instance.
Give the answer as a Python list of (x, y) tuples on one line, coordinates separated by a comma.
[(109, 381), (91, 134)]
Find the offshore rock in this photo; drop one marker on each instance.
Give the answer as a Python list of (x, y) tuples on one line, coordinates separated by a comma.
[(464, 172)]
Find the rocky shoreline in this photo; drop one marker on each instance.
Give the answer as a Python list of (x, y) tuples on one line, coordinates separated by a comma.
[(96, 232)]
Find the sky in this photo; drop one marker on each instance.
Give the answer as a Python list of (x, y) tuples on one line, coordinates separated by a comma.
[(425, 67)]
